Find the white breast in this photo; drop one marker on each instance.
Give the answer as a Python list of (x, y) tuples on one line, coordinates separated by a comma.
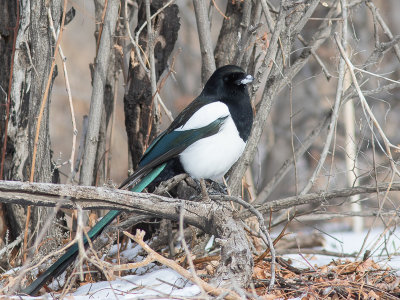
[(213, 156)]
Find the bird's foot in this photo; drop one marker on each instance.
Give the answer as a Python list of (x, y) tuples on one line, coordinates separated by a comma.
[(216, 188)]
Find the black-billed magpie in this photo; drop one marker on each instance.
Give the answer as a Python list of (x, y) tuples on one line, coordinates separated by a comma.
[(204, 140), (209, 135)]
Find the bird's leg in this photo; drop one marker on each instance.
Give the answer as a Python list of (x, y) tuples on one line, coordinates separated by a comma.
[(226, 185), (227, 190), (204, 193)]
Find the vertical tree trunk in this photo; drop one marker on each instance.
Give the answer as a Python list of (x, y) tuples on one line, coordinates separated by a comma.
[(31, 67), (8, 20), (228, 38), (99, 174), (138, 99)]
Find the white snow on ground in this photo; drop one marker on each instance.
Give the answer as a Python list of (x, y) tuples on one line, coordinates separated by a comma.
[(350, 242), (164, 283)]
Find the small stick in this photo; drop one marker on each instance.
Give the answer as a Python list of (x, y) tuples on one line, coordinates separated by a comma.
[(317, 58), (68, 87), (138, 238), (186, 248)]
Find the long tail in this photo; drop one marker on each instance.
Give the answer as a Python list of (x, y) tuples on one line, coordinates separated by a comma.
[(64, 261)]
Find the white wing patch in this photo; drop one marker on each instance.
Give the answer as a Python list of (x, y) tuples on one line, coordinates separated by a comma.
[(205, 115)]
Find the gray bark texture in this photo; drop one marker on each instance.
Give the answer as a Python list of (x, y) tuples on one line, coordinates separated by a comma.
[(138, 99), (206, 47), (99, 174), (228, 38), (34, 49), (8, 20), (97, 99)]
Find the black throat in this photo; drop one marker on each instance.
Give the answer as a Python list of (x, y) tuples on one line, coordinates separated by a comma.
[(238, 102)]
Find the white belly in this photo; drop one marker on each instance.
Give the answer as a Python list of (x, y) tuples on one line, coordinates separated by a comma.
[(212, 157)]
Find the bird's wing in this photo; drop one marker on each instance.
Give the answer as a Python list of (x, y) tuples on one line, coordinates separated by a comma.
[(169, 145)]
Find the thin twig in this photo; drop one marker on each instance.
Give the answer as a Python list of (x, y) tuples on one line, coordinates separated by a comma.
[(219, 10), (331, 131), (134, 43), (138, 238), (27, 268), (7, 248), (385, 28), (367, 110), (68, 87), (328, 75), (189, 259), (140, 59), (151, 18), (110, 142), (375, 75), (103, 14), (296, 186), (288, 164), (150, 50), (320, 197), (315, 252)]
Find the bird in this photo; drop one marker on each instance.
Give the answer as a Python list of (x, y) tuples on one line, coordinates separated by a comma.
[(204, 141)]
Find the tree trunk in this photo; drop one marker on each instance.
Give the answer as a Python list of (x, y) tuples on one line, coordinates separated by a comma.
[(138, 99), (34, 46), (8, 20), (99, 175)]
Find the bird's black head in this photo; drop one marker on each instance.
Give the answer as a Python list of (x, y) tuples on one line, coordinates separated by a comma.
[(228, 82)]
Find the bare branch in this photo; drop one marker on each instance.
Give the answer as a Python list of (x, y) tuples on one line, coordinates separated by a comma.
[(196, 213), (96, 103), (68, 88), (206, 48), (240, 167), (288, 164), (151, 37), (273, 88), (138, 238), (367, 110), (385, 28), (320, 197)]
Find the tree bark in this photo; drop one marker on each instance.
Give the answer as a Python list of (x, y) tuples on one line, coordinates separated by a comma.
[(98, 91), (228, 36), (138, 98), (8, 30), (31, 67), (99, 175)]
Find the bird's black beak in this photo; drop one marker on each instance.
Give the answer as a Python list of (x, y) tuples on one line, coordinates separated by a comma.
[(244, 81)]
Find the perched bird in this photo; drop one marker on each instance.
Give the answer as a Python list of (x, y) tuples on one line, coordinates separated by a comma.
[(204, 140)]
